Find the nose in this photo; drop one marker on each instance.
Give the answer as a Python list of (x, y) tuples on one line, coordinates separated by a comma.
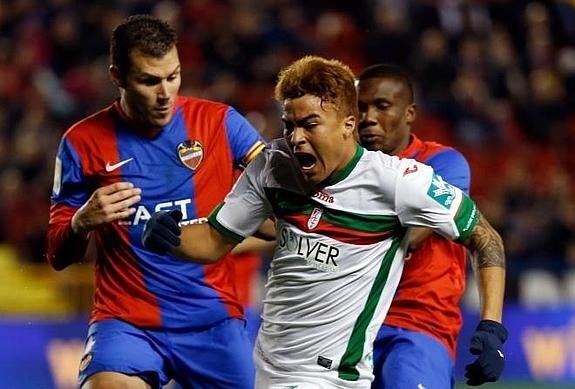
[(366, 117), (297, 136), (163, 90)]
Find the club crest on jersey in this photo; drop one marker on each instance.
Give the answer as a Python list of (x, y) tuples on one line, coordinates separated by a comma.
[(314, 218), (191, 154)]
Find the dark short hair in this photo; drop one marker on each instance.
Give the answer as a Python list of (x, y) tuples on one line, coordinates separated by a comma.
[(329, 79), (389, 71), (150, 35)]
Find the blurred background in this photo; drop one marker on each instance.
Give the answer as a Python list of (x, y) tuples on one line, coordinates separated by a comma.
[(494, 78)]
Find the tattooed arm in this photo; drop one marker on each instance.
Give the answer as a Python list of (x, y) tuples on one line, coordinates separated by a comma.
[(488, 253)]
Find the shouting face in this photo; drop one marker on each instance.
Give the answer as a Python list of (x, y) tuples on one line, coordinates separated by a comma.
[(321, 139)]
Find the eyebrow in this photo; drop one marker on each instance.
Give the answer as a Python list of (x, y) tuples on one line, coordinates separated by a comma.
[(381, 100), (302, 120), (148, 75)]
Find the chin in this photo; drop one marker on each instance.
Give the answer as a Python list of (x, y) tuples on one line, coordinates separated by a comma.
[(373, 146), (310, 177), (160, 123)]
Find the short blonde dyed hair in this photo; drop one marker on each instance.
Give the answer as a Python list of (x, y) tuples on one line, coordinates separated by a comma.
[(329, 79)]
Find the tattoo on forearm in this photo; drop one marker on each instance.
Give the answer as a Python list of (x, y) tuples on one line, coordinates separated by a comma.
[(486, 245)]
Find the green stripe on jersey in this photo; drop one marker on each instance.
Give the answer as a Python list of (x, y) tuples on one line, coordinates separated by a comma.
[(360, 222), (285, 203), (347, 169), (466, 218), (212, 219), (354, 351)]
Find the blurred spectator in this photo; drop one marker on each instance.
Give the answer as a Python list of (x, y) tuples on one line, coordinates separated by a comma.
[(390, 38), (434, 69)]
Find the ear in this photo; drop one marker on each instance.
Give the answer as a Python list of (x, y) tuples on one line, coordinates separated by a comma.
[(349, 125), (115, 76), (410, 114)]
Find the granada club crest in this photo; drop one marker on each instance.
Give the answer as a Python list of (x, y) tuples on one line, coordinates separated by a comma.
[(191, 154), (314, 218)]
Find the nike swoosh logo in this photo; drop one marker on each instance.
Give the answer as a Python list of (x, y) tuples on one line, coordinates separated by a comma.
[(111, 168)]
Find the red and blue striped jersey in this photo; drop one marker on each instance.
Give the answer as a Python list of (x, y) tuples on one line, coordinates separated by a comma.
[(433, 279), (188, 165)]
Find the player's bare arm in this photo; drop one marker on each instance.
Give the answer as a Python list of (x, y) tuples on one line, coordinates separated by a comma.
[(251, 244), (488, 252), (267, 231), (107, 204), (199, 243), (486, 245), (202, 243)]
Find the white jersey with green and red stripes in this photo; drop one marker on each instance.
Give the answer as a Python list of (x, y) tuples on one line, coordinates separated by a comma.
[(338, 258)]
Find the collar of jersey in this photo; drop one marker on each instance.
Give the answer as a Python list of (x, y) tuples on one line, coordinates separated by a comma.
[(343, 173), (413, 149)]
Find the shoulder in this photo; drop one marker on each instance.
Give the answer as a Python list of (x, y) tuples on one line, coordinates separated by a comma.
[(386, 164), (440, 156), (201, 113), (387, 173), (195, 104), (91, 126), (447, 162), (448, 157)]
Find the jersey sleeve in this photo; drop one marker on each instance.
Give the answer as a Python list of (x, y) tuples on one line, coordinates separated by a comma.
[(245, 141), (70, 186), (453, 167), (425, 199), (69, 192), (246, 207)]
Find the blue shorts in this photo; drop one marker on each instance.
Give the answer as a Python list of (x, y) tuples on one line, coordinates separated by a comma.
[(217, 357), (408, 359)]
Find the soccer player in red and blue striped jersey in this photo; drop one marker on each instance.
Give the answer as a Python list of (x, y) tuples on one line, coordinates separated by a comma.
[(154, 318), (415, 347)]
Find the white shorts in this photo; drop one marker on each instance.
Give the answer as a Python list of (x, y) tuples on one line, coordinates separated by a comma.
[(263, 382), (269, 378)]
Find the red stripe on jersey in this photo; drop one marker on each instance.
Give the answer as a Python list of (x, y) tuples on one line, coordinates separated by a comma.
[(57, 254), (433, 279), (338, 233), (120, 278), (213, 179), (429, 292)]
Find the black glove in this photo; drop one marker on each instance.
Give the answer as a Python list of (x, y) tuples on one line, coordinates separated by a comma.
[(162, 232), (486, 342)]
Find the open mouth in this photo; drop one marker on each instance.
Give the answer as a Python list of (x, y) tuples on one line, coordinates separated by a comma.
[(305, 160)]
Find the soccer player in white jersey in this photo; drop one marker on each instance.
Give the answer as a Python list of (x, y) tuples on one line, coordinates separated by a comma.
[(342, 215)]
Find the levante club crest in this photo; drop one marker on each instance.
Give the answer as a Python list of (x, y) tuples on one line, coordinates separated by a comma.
[(191, 154)]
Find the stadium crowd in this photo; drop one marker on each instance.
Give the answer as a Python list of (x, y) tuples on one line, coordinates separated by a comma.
[(494, 78)]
